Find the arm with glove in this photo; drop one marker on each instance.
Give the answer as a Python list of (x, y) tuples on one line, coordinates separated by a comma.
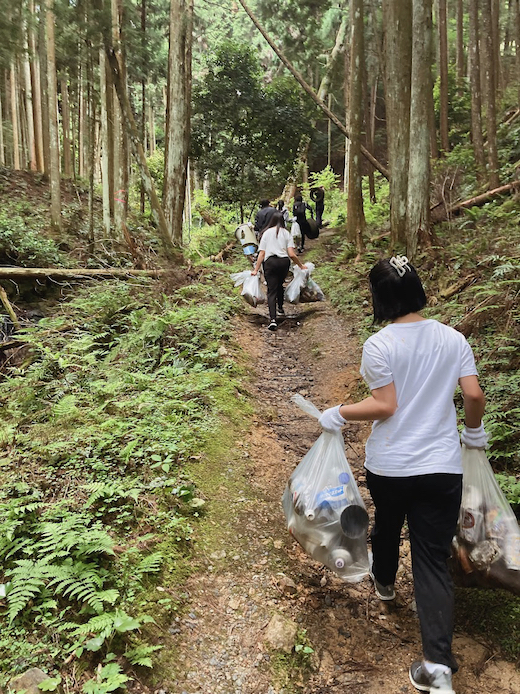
[(380, 405), (473, 434)]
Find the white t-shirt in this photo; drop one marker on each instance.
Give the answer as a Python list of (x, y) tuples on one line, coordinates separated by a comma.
[(424, 360), (276, 245)]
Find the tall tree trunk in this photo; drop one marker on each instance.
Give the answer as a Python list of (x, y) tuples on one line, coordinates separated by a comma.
[(355, 213), (54, 174), (81, 118), (14, 118), (44, 92), (460, 40), (65, 120), (443, 64), (142, 192), (33, 163), (104, 136), (179, 101), (120, 186), (34, 66), (495, 32), (2, 152), (398, 50), (418, 208), (517, 47), (476, 97), (488, 67), (346, 90)]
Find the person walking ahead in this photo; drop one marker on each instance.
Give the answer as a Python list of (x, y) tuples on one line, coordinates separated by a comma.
[(276, 247), (300, 208), (413, 455)]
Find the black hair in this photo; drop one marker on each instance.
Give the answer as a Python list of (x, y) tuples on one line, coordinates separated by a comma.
[(394, 296), (276, 221), (264, 203), (298, 198), (280, 204)]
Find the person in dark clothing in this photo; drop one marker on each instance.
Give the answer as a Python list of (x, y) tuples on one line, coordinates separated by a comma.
[(299, 211), (276, 251), (263, 217), (318, 197)]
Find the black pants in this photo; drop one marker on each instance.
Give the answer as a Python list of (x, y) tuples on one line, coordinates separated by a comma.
[(275, 271), (431, 505), (319, 213)]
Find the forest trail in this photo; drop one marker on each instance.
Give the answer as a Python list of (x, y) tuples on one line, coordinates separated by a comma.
[(361, 645)]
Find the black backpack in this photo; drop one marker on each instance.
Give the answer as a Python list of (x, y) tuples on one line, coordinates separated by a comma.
[(313, 230), (299, 208)]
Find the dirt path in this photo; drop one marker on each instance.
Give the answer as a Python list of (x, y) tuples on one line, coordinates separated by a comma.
[(361, 646)]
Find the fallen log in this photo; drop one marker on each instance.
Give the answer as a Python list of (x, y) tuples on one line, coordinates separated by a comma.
[(7, 273), (220, 257), (457, 287), (441, 214)]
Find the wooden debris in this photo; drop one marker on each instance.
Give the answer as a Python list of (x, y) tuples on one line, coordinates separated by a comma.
[(77, 273)]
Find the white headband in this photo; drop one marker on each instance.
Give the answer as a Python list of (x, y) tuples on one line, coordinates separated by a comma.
[(400, 264)]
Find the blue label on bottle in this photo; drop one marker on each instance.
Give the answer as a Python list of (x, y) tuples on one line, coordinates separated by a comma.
[(331, 493)]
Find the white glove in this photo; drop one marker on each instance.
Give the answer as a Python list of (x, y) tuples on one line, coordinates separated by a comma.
[(331, 420), (474, 438)]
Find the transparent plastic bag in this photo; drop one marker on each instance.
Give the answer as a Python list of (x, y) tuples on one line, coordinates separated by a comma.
[(302, 287), (252, 289), (486, 547), (323, 507)]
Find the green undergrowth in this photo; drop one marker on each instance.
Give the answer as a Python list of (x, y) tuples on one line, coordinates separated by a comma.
[(480, 247), (120, 395)]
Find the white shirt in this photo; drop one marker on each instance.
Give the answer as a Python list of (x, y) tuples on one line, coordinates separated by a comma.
[(276, 245), (424, 360)]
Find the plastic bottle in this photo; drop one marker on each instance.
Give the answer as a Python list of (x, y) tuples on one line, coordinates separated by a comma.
[(341, 558)]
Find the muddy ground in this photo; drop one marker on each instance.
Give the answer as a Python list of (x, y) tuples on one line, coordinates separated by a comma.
[(361, 645)]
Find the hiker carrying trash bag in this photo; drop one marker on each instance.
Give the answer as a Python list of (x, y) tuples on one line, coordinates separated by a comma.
[(323, 507), (252, 289), (413, 454), (486, 548), (302, 288)]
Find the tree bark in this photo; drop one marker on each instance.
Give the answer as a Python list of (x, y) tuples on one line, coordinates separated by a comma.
[(65, 119), (42, 42), (517, 46), (2, 153), (443, 65), (119, 160), (460, 40), (476, 96), (43, 272), (54, 172), (31, 142), (34, 67), (495, 31), (307, 88), (14, 117), (398, 53), (490, 91), (355, 213), (179, 107), (418, 207), (105, 148)]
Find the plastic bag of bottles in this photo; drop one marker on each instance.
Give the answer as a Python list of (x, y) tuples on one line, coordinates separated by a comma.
[(323, 507), (302, 287), (486, 547), (252, 289)]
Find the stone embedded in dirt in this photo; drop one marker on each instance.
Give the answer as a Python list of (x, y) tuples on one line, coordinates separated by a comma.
[(287, 585), (29, 681), (281, 633), (218, 555)]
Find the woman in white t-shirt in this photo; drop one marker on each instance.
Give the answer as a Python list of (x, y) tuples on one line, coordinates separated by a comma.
[(413, 455), (275, 249)]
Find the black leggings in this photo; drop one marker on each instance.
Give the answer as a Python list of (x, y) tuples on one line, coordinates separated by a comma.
[(275, 272), (431, 505)]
